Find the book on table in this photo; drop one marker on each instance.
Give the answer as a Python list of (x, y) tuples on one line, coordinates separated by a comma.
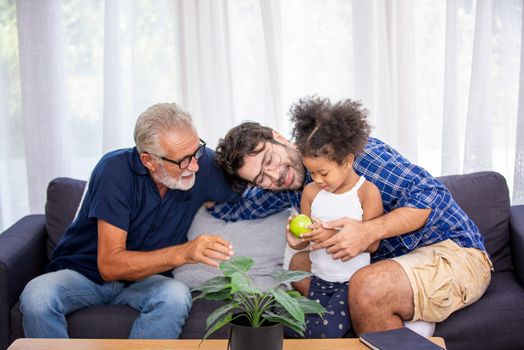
[(397, 339)]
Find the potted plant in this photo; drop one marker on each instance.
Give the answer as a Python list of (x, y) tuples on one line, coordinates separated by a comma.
[(257, 317)]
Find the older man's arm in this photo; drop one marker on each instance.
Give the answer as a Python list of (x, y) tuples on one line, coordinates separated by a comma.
[(115, 262)]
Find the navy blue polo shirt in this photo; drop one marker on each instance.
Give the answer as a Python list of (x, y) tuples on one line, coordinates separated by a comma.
[(122, 192)]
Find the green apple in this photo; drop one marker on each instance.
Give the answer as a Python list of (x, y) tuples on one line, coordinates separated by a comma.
[(299, 224)]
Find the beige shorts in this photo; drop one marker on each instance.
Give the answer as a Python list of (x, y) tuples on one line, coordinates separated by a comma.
[(445, 278)]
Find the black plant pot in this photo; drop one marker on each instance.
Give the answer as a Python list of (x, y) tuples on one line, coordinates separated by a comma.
[(242, 336)]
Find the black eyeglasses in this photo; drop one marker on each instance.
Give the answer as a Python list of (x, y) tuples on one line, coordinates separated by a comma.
[(270, 161), (184, 162)]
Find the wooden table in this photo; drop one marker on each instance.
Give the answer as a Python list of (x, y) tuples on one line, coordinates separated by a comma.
[(181, 344)]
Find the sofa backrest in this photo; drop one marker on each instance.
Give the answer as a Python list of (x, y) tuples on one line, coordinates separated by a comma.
[(484, 196), (63, 198)]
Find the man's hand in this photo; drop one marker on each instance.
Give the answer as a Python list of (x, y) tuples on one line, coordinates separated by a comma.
[(352, 239), (207, 249)]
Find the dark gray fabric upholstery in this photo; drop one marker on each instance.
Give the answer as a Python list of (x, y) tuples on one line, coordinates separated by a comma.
[(517, 241), (493, 322), (484, 197), (63, 198), (16, 329), (22, 256), (195, 326), (101, 321)]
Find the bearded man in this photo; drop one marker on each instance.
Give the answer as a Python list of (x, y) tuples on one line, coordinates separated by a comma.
[(131, 231)]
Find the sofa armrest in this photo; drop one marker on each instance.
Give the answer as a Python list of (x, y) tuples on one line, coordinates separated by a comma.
[(22, 257), (516, 222)]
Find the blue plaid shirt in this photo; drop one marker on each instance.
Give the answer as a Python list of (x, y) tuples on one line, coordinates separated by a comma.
[(401, 184)]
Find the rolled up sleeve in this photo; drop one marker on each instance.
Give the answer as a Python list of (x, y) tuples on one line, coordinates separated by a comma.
[(428, 193)]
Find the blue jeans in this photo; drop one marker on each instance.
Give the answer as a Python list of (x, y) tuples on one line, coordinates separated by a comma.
[(163, 303)]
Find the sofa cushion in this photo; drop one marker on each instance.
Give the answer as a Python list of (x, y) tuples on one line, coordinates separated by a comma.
[(195, 326), (63, 198), (101, 321), (493, 322), (263, 240), (484, 196)]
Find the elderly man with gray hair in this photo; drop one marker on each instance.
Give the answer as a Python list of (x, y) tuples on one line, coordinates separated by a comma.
[(131, 231)]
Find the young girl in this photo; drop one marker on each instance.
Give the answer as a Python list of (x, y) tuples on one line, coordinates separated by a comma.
[(328, 142)]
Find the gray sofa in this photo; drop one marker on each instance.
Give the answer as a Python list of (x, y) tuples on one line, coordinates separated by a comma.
[(494, 322)]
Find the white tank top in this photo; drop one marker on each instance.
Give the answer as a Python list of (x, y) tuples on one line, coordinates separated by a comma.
[(329, 206)]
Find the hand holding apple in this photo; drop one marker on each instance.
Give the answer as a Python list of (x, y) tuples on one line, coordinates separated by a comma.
[(294, 241), (299, 224)]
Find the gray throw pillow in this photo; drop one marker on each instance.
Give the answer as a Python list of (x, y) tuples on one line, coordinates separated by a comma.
[(263, 240), (63, 199)]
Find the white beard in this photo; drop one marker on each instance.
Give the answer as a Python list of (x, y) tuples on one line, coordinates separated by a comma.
[(173, 183)]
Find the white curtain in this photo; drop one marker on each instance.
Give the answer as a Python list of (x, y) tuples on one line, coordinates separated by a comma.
[(228, 59), (44, 108), (479, 127), (384, 57), (205, 77), (441, 79)]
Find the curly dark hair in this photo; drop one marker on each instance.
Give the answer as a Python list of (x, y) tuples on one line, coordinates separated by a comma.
[(323, 129), (240, 141)]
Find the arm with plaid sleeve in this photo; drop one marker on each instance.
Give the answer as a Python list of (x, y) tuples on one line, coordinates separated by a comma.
[(420, 217), (356, 236), (256, 203), (420, 210)]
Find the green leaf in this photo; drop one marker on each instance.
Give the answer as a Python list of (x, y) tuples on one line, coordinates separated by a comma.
[(219, 324), (224, 295), (294, 294), (236, 264), (286, 276), (218, 313), (287, 320), (240, 283), (213, 285), (311, 306), (290, 304)]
